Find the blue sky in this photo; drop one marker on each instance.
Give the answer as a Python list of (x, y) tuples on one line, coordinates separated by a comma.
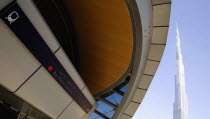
[(193, 19)]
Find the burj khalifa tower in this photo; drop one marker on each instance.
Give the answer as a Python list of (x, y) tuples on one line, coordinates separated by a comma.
[(180, 104)]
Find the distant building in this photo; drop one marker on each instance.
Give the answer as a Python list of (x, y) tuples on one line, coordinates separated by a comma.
[(180, 104)]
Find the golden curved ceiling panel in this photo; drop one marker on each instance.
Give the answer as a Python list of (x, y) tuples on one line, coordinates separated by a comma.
[(104, 33)]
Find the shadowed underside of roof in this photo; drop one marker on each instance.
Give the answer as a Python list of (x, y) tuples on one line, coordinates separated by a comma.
[(104, 32)]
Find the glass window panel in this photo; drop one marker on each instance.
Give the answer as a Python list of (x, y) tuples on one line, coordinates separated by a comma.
[(106, 109), (123, 89), (114, 98), (103, 108), (110, 114)]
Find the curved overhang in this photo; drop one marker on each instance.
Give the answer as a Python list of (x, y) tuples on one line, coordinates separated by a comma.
[(154, 18)]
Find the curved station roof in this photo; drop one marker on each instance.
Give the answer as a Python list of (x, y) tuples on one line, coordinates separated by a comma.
[(109, 50), (120, 43), (134, 35)]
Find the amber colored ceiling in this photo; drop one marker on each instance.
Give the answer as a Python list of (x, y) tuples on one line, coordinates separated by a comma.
[(104, 32)]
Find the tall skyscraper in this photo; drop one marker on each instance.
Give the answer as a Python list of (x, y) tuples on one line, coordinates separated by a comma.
[(180, 104)]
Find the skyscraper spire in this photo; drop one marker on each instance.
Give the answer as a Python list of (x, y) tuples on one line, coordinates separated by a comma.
[(180, 104), (178, 47)]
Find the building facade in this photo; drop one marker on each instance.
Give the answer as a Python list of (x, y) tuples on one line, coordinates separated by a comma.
[(64, 59)]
